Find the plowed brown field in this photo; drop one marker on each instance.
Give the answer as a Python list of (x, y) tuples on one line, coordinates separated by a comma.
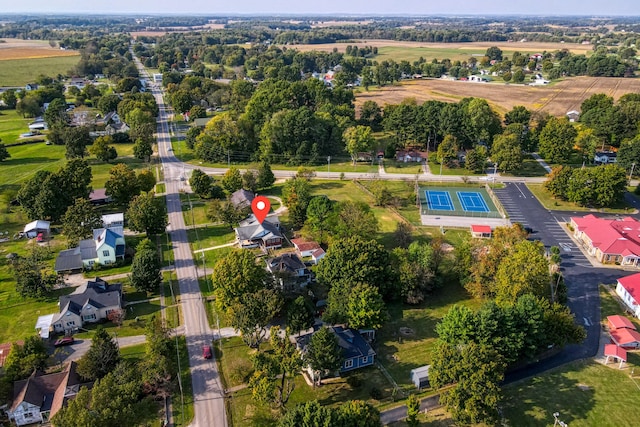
[(556, 99)]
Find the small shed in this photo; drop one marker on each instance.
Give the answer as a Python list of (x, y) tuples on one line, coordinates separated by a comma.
[(43, 325), (35, 227), (481, 231), (617, 322), (420, 376), (573, 115), (618, 353)]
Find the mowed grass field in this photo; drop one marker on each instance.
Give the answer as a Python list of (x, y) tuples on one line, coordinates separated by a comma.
[(12, 125), (556, 99), (18, 72)]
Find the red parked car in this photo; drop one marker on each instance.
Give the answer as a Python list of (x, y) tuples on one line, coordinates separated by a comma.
[(63, 341), (206, 352)]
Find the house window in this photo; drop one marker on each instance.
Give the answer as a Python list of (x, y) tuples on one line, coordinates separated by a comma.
[(71, 323), (348, 364), (89, 317), (91, 262), (28, 415), (365, 359), (105, 253)]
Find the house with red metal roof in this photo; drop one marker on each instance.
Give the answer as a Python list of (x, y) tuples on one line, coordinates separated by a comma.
[(628, 289), (609, 241)]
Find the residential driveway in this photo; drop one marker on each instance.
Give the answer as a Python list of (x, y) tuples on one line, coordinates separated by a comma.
[(78, 349), (581, 277)]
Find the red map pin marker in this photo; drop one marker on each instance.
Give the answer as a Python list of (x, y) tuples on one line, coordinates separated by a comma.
[(260, 207)]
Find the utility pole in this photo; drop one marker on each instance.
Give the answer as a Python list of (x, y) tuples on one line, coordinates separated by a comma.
[(228, 158), (633, 165), (328, 163)]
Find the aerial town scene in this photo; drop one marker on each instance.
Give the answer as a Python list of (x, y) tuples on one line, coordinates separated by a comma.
[(349, 214)]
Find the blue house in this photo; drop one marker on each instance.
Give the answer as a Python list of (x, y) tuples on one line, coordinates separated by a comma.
[(356, 351)]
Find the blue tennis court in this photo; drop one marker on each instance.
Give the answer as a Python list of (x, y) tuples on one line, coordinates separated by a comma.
[(472, 201), (439, 200)]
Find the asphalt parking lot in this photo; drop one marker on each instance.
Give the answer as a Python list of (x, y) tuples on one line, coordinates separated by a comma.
[(581, 277)]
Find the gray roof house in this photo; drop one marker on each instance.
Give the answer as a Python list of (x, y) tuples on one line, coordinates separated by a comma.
[(242, 198), (89, 303), (251, 234), (289, 265), (356, 351)]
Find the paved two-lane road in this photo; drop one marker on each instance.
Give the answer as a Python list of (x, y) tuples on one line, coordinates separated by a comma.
[(208, 394)]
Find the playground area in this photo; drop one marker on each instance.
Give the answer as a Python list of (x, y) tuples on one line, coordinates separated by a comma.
[(460, 207)]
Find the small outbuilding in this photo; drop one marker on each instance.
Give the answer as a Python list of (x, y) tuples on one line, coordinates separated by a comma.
[(481, 231), (618, 354), (625, 338), (618, 322), (420, 377), (34, 228)]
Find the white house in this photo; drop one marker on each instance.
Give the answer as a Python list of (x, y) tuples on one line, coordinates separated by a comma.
[(106, 247), (40, 397), (420, 376), (605, 157), (628, 289)]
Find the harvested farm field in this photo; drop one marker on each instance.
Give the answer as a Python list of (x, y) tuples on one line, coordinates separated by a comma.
[(555, 99), (412, 51), (30, 49)]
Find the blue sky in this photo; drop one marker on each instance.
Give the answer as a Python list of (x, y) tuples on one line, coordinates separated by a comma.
[(386, 7)]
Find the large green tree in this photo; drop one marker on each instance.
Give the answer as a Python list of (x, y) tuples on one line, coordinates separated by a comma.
[(122, 184), (556, 140), (201, 183), (296, 196), (524, 271), (300, 314), (507, 152), (319, 214), (101, 358), (353, 218), (475, 372), (365, 308), (357, 260), (357, 139), (323, 354), (4, 154), (102, 150), (147, 213), (235, 275), (275, 371), (76, 140), (23, 359), (231, 180), (79, 221), (253, 312), (145, 268)]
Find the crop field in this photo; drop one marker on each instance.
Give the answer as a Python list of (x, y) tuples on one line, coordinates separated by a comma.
[(556, 99), (18, 72), (412, 51)]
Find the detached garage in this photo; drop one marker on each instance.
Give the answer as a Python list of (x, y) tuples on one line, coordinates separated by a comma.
[(34, 228)]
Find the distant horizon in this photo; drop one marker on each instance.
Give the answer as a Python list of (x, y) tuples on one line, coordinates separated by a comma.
[(337, 8)]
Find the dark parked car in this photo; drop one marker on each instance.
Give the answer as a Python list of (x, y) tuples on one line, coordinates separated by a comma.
[(63, 341), (206, 352)]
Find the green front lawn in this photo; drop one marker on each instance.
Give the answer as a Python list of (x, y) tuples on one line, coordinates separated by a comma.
[(584, 393), (393, 166), (400, 350), (530, 167), (206, 237), (12, 125)]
